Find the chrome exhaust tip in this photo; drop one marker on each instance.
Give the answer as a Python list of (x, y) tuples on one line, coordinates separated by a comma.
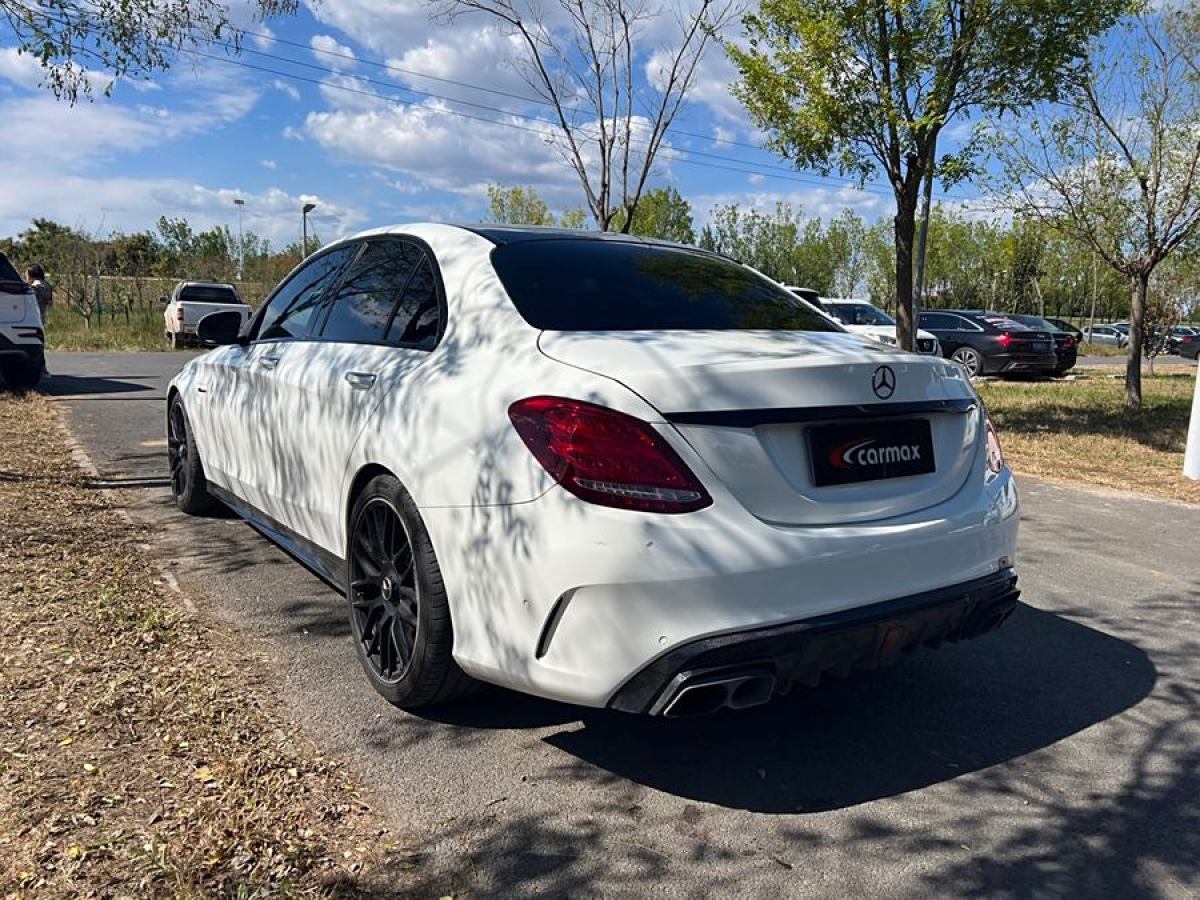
[(705, 694)]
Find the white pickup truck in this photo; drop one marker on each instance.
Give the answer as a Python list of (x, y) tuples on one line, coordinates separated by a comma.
[(191, 301)]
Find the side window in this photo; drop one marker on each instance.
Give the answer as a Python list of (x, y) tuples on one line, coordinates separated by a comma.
[(937, 322), (417, 315), (290, 311), (362, 309), (958, 323)]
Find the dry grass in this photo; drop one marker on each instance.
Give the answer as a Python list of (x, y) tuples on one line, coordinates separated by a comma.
[(140, 752), (1081, 432)]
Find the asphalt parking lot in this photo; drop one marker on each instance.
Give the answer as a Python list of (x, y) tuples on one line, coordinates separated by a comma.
[(1059, 756)]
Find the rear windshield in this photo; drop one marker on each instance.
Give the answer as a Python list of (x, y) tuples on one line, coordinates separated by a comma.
[(593, 285), (199, 293), (8, 273), (858, 314), (1036, 322)]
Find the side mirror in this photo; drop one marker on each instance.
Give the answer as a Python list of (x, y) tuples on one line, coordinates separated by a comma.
[(219, 328), (163, 300)]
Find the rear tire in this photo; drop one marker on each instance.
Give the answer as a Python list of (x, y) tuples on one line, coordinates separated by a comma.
[(189, 487), (969, 359), (399, 614), (24, 374)]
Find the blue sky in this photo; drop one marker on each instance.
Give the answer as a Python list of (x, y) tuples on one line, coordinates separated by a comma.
[(194, 138)]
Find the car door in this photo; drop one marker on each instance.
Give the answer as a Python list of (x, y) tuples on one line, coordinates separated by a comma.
[(378, 326), (942, 327), (245, 419)]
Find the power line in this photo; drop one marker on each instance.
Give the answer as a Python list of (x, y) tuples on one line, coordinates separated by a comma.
[(742, 167), (494, 109), (540, 101)]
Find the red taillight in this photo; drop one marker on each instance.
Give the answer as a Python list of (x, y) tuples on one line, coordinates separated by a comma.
[(995, 456), (1004, 339), (607, 457), (179, 313), (1070, 342)]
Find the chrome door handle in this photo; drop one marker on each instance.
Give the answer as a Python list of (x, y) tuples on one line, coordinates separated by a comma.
[(360, 380), (268, 362)]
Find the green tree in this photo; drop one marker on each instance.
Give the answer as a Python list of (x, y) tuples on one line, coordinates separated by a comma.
[(79, 41), (1116, 166), (662, 213), (781, 244), (846, 240), (518, 206), (862, 86)]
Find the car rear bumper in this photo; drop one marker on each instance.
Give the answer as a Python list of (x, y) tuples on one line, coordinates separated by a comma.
[(1023, 362), (22, 340), (570, 601), (694, 678)]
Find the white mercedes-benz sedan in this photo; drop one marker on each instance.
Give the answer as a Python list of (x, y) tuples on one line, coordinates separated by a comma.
[(600, 469)]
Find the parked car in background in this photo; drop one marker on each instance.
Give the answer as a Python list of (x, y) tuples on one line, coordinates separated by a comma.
[(191, 301), (1188, 345), (861, 317), (1066, 346), (22, 338), (1177, 335), (1104, 334), (991, 343), (603, 470), (1064, 325)]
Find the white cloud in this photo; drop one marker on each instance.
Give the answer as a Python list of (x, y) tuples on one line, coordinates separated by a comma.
[(290, 89), (268, 164), (328, 52), (815, 202), (440, 150), (130, 204)]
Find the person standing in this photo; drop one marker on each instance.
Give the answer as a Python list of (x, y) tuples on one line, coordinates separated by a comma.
[(36, 276)]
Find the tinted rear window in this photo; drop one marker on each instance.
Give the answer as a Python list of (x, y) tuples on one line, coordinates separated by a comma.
[(7, 272), (206, 294), (585, 285)]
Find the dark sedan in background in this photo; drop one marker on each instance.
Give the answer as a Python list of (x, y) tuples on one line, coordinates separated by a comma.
[(1066, 345), (991, 343)]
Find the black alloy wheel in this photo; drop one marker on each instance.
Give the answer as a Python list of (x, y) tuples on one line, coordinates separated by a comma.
[(385, 598), (189, 487), (178, 449), (399, 612)]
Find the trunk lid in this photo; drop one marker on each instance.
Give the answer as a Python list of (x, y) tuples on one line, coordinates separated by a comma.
[(14, 299), (754, 404)]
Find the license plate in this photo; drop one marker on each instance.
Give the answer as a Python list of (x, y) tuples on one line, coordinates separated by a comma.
[(1041, 345), (870, 451)]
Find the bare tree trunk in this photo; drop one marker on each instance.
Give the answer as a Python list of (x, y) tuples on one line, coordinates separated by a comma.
[(1137, 320), (904, 228)]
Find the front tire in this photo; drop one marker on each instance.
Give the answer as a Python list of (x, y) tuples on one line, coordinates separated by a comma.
[(189, 487), (399, 614), (969, 359)]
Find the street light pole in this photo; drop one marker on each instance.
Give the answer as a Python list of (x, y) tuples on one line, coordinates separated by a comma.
[(239, 203), (304, 211)]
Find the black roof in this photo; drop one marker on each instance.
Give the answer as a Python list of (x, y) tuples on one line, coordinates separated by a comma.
[(515, 234)]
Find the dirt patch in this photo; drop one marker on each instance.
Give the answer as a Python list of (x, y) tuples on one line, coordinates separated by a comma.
[(140, 750)]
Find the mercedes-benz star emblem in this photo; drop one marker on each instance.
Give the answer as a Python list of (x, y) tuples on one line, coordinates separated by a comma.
[(883, 382)]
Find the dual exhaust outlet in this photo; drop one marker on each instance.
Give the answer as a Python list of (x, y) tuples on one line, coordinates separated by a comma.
[(700, 695)]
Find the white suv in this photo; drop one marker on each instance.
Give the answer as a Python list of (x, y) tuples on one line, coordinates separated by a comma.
[(861, 317), (22, 339)]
